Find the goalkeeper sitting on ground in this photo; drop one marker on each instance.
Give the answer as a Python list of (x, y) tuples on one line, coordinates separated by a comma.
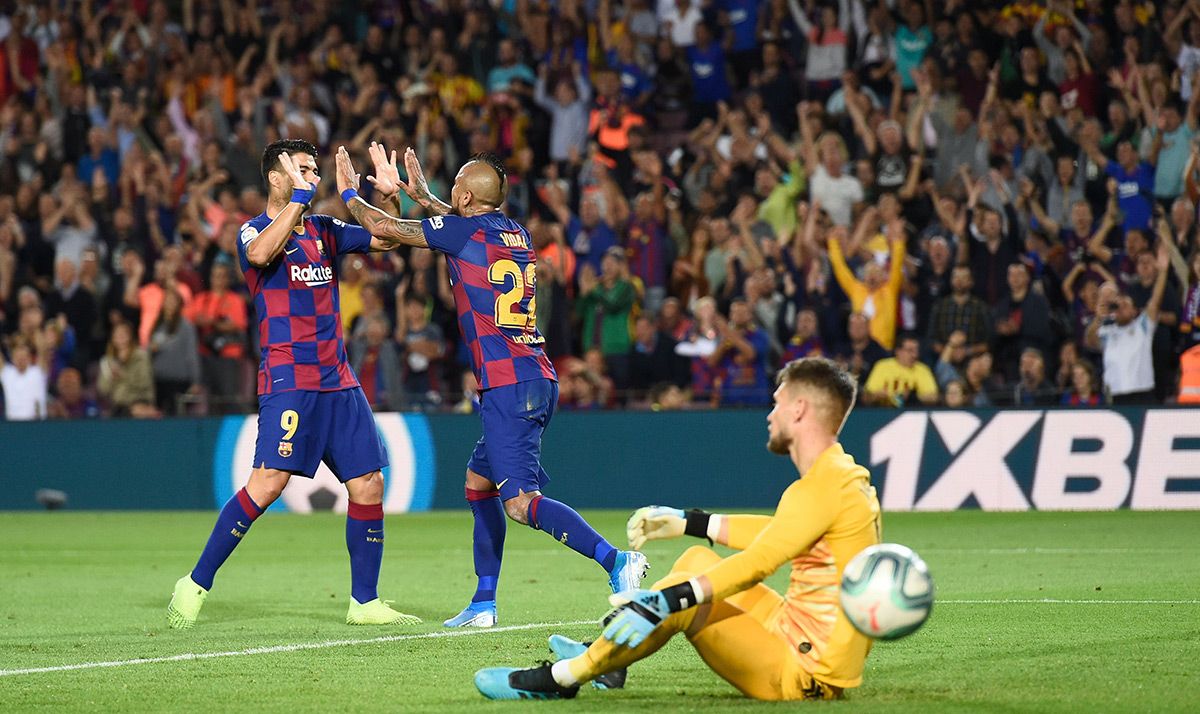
[(798, 646)]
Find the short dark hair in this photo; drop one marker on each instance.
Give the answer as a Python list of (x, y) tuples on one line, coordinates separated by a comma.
[(824, 375), (496, 165), (270, 157)]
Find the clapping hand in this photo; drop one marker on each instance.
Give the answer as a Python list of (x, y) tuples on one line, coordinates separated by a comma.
[(289, 168), (387, 175), (417, 187), (347, 178)]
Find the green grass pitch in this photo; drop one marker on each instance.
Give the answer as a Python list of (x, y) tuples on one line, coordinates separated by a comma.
[(1087, 612)]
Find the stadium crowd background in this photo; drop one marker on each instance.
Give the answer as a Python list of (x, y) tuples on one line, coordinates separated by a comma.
[(942, 195)]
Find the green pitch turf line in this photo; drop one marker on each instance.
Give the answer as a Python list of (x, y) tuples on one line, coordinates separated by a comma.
[(190, 656)]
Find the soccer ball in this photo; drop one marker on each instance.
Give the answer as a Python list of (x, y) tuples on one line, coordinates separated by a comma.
[(886, 591)]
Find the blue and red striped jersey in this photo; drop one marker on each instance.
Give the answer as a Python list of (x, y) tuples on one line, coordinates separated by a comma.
[(646, 248), (493, 269), (296, 299)]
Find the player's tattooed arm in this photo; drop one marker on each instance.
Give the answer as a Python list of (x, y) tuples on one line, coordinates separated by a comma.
[(394, 206), (387, 232)]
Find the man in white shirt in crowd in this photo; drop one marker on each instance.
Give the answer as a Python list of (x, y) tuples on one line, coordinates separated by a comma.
[(1127, 339), (24, 384), (836, 191)]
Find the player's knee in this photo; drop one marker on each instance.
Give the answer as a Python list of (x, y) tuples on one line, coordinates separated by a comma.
[(265, 486), (475, 482), (695, 559), (517, 508), (367, 489)]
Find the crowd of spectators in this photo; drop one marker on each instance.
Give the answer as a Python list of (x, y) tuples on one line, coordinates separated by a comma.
[(967, 203)]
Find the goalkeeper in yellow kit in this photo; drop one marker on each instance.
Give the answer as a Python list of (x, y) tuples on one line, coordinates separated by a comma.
[(796, 646)]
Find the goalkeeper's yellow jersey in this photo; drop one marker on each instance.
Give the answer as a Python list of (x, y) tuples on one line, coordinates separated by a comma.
[(823, 519)]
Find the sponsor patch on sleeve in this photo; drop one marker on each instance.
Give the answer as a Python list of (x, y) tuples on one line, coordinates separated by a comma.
[(249, 233)]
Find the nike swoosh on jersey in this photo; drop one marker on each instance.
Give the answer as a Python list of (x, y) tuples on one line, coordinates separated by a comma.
[(293, 250), (501, 484), (242, 525), (374, 530)]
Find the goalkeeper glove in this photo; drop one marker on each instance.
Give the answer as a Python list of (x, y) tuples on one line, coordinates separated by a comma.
[(637, 613), (660, 522)]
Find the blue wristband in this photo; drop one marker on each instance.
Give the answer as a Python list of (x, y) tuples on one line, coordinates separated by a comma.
[(304, 195), (349, 195)]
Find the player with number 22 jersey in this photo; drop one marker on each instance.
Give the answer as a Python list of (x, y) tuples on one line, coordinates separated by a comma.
[(492, 267), (493, 271)]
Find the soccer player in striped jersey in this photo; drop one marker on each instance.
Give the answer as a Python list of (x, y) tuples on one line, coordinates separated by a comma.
[(492, 267), (311, 407)]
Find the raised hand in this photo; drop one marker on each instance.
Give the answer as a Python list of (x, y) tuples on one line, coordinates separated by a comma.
[(289, 168), (417, 187), (387, 175), (587, 279), (1116, 80), (1162, 258), (346, 176), (974, 188), (1027, 188), (654, 523)]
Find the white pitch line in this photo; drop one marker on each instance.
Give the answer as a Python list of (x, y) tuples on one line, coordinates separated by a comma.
[(1051, 551), (1058, 601), (192, 656)]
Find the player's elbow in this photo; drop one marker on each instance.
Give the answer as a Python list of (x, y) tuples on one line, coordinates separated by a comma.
[(255, 256)]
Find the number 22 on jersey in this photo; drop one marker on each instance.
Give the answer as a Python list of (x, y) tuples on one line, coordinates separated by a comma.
[(508, 304)]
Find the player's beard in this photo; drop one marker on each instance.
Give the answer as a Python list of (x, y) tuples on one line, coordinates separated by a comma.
[(779, 444)]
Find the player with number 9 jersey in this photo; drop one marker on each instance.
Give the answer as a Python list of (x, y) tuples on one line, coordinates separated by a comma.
[(311, 408)]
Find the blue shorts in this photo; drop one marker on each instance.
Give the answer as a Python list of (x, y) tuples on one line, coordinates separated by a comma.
[(297, 430), (509, 454)]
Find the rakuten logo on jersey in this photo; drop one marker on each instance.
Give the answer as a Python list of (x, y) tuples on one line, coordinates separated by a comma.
[(312, 275)]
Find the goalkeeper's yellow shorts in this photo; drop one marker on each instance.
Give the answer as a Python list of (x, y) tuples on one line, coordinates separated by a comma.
[(737, 641)]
